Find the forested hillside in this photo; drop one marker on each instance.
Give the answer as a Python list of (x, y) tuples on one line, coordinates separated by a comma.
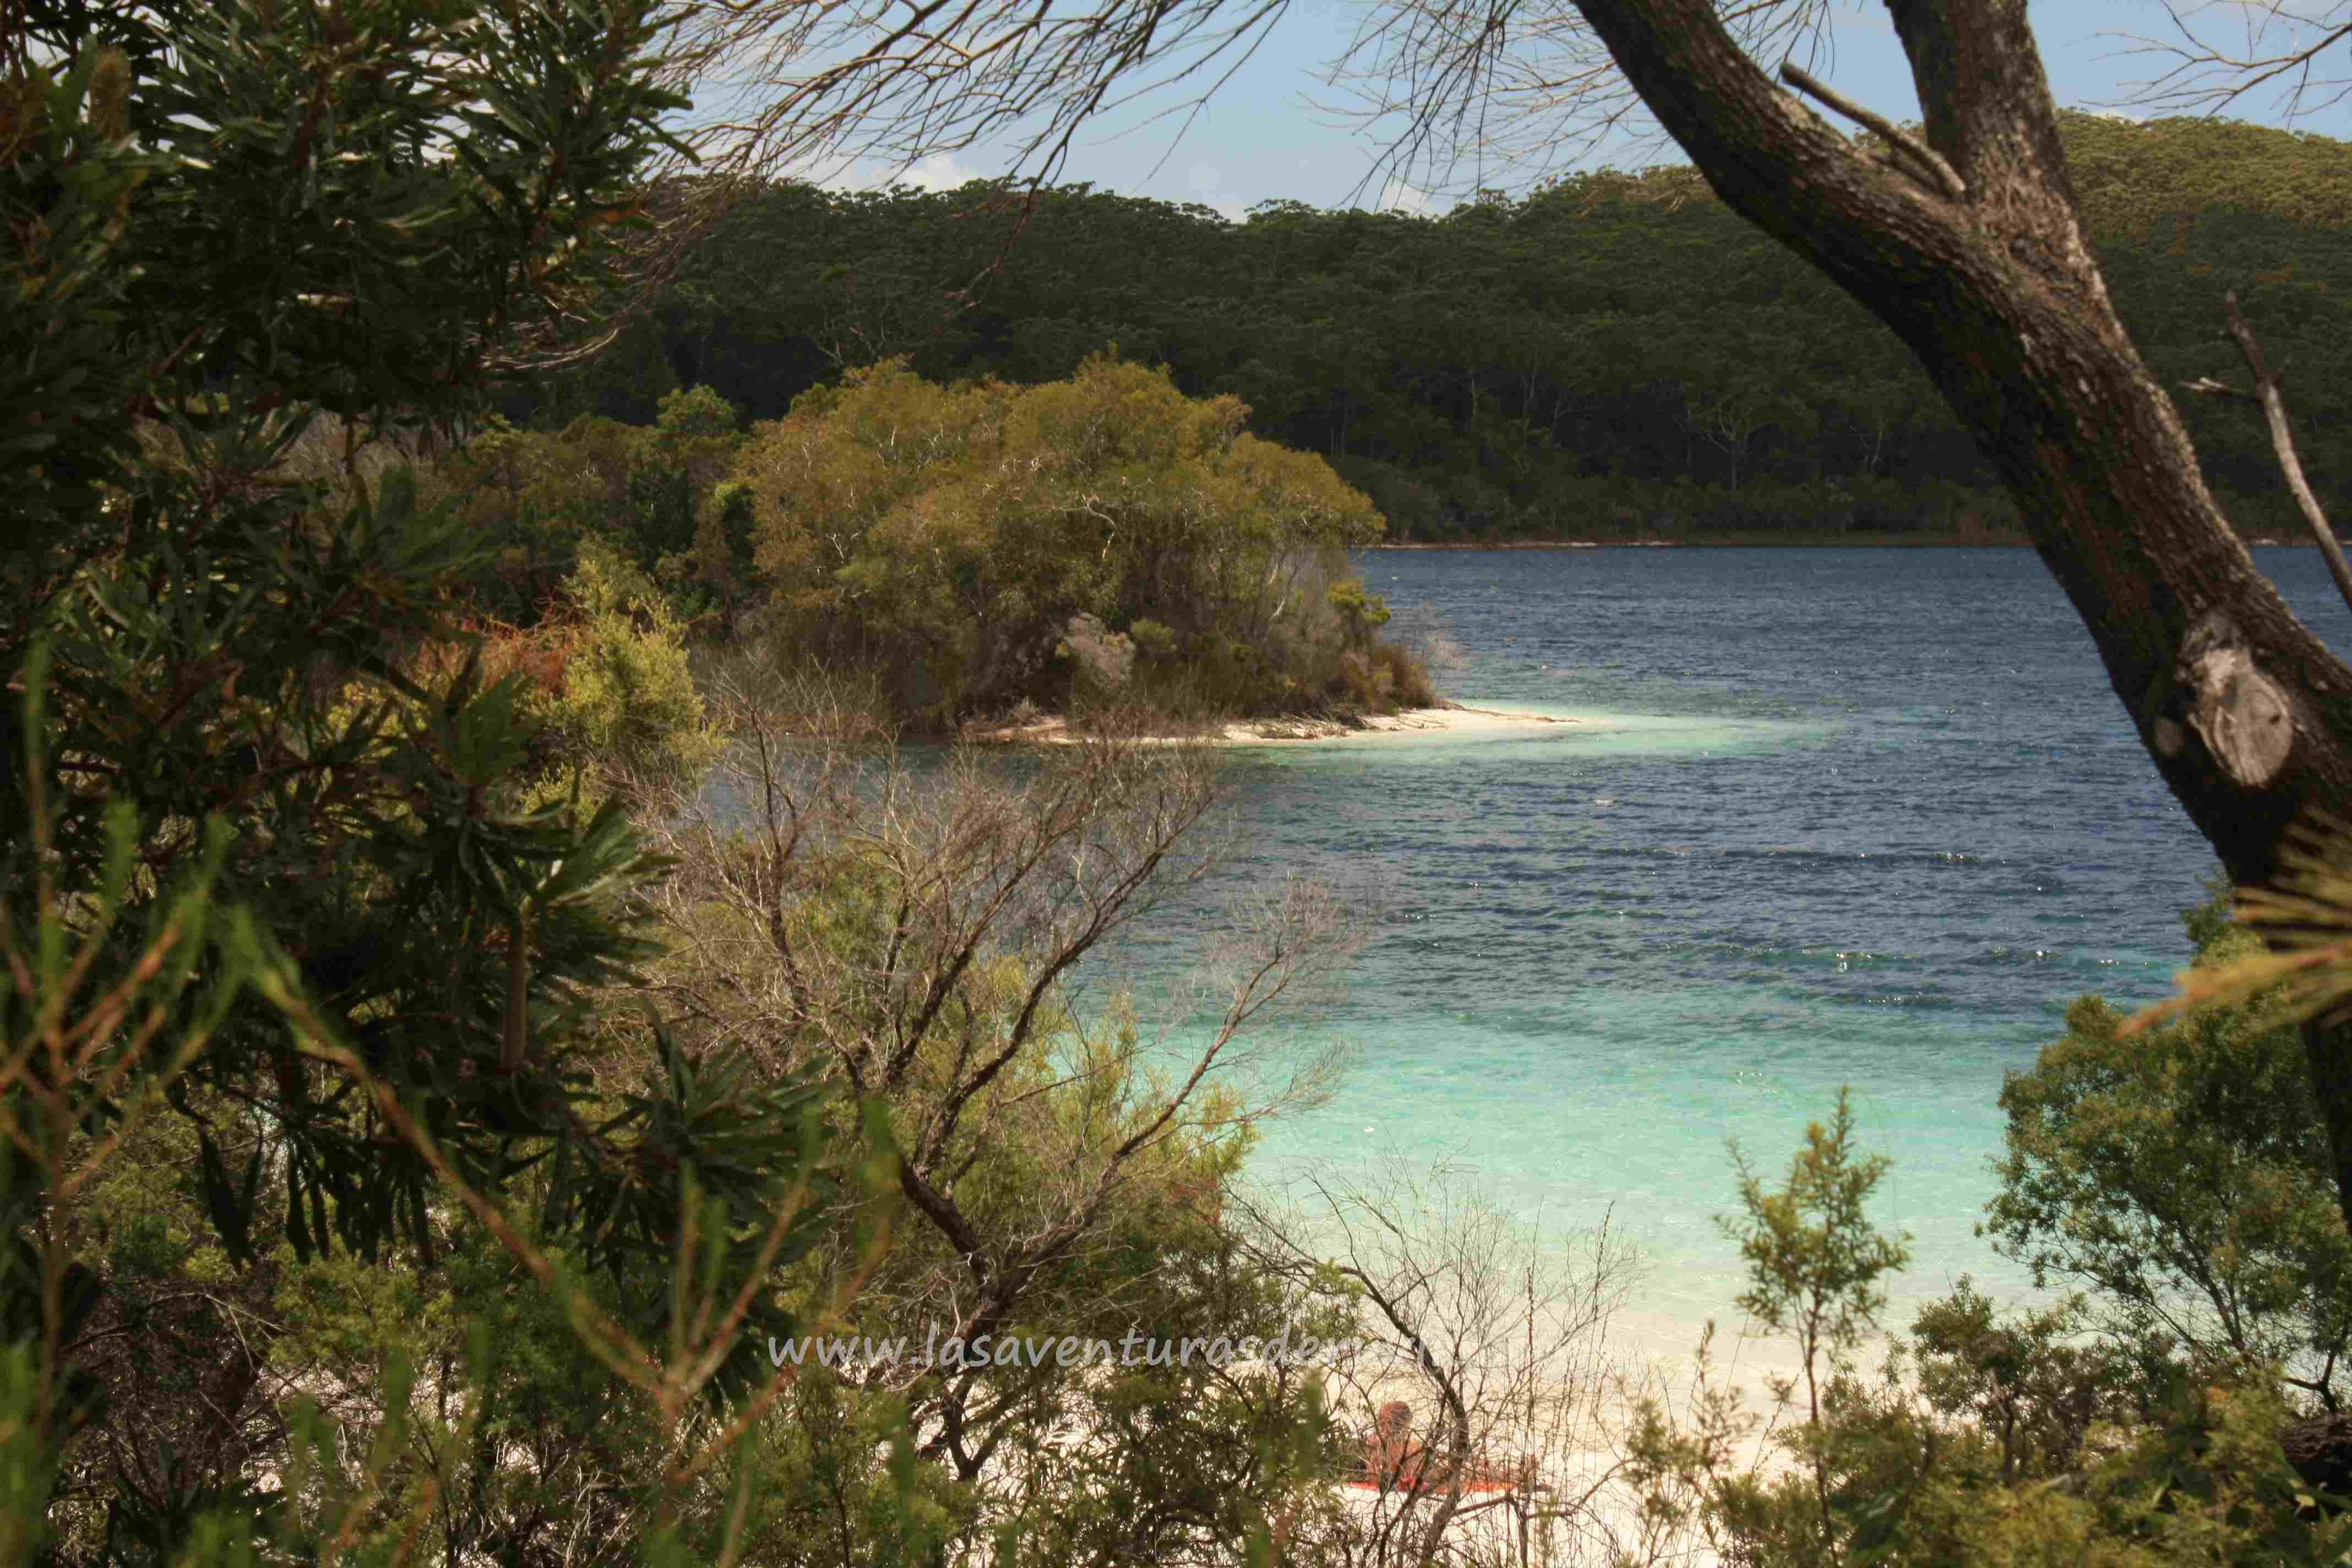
[(1615, 353)]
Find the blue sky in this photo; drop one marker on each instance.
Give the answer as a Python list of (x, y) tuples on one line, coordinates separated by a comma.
[(1261, 137)]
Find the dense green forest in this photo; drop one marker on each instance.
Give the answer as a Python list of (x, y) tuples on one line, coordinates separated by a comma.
[(1614, 354)]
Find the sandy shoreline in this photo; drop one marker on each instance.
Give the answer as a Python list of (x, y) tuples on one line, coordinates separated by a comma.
[(1449, 720)]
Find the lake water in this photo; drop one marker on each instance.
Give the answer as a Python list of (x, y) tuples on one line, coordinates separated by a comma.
[(1864, 816)]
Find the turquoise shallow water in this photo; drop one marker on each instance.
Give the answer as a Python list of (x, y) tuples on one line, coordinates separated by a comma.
[(1861, 816)]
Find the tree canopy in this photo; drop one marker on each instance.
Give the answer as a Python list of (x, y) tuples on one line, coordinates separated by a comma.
[(1615, 352), (976, 547), (291, 899)]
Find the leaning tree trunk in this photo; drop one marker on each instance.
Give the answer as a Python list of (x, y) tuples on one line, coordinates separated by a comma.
[(1970, 250)]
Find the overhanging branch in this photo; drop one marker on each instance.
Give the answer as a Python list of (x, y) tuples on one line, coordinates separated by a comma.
[(1924, 160), (2274, 402)]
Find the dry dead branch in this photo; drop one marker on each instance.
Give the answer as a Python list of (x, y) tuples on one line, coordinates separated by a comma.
[(2281, 48), (917, 924), (1482, 1381), (2268, 394)]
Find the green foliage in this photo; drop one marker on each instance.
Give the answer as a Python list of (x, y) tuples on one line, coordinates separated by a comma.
[(165, 1338), (1814, 1259), (723, 545), (2068, 1433), (2033, 1384), (622, 699), (658, 519), (302, 1024), (976, 547), (2183, 1175), (221, 646), (1152, 638), (1814, 1262), (1613, 355), (647, 495), (349, 1215), (696, 411), (1360, 612), (910, 931), (181, 251), (834, 1478)]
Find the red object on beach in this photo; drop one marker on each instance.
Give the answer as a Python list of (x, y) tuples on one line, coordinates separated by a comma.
[(1393, 1460)]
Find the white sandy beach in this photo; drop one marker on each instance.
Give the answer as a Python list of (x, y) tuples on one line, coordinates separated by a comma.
[(1450, 720)]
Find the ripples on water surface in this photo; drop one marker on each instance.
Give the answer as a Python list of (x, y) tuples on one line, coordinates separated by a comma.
[(1865, 817)]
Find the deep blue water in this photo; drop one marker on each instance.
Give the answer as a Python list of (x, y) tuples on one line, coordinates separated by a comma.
[(1867, 816)]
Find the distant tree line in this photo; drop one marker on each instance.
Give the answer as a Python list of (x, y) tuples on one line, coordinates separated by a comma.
[(1616, 353)]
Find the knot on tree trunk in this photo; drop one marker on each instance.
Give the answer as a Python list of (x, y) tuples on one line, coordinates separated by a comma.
[(2241, 714)]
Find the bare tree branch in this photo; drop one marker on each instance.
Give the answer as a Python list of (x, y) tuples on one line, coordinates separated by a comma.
[(1483, 1371), (1453, 92), (1929, 162), (921, 929), (2267, 389), (2281, 48), (2273, 405), (818, 82)]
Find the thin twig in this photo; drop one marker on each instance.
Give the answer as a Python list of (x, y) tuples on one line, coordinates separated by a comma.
[(1930, 162), (2266, 392), (2211, 388)]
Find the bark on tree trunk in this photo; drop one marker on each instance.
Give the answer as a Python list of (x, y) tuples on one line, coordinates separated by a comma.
[(2246, 714)]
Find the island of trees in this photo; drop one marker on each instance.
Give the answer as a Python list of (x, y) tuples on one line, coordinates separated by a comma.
[(969, 554)]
